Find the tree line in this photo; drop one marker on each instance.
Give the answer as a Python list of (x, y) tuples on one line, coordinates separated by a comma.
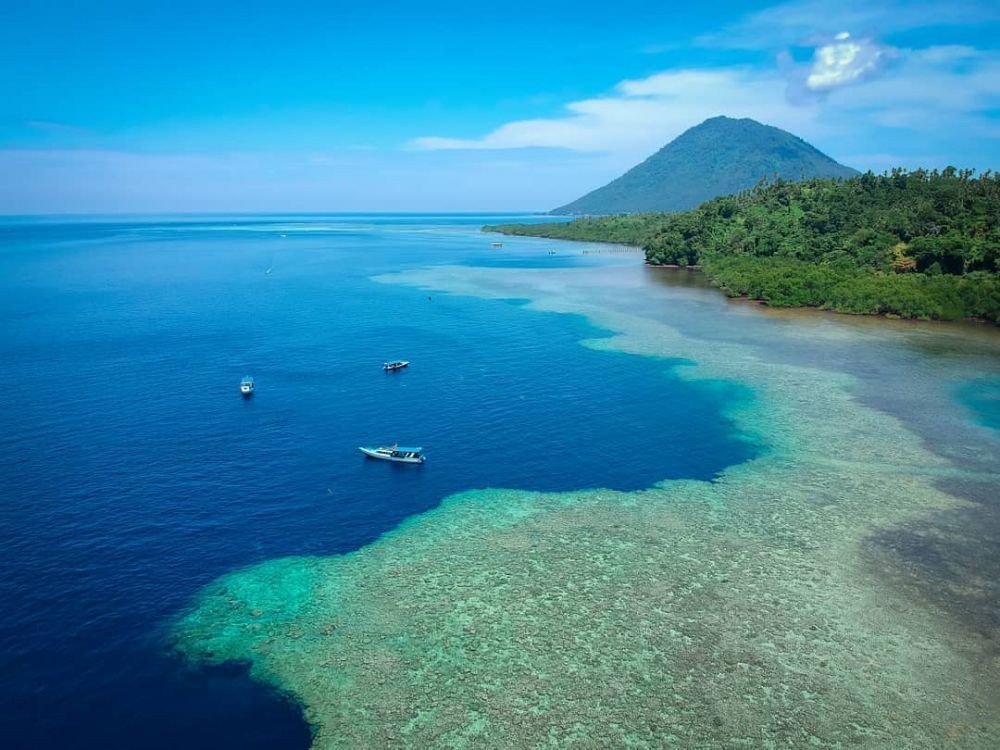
[(919, 244)]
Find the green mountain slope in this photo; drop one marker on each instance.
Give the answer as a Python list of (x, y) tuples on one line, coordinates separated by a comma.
[(719, 157)]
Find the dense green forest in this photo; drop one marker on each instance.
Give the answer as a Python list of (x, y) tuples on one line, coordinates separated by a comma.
[(922, 244)]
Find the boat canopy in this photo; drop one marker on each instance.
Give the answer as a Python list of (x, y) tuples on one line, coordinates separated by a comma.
[(401, 449)]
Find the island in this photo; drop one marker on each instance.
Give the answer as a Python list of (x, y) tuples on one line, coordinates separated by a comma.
[(912, 244)]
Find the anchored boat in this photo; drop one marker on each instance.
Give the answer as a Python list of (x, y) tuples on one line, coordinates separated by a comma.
[(247, 386), (393, 366), (396, 453)]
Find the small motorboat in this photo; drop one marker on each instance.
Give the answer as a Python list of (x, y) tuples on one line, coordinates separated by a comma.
[(496, 244), (395, 453), (247, 386), (393, 366)]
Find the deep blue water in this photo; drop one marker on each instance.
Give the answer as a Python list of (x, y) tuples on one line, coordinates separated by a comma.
[(133, 473)]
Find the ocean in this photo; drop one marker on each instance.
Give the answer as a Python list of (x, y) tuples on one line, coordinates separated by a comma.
[(134, 473)]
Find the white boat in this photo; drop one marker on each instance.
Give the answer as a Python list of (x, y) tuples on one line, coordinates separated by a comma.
[(496, 244), (393, 366), (247, 386), (395, 453)]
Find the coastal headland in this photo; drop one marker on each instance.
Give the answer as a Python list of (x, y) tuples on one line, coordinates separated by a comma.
[(922, 245)]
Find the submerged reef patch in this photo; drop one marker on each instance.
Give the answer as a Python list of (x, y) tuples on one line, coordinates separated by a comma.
[(742, 612)]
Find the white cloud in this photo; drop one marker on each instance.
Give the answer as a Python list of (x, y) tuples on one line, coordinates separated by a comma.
[(837, 61), (924, 91), (883, 161), (799, 21), (845, 60), (946, 53), (942, 90), (644, 113), (111, 181)]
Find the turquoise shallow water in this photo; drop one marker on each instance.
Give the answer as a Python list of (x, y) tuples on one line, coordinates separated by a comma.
[(134, 474), (982, 398), (838, 590)]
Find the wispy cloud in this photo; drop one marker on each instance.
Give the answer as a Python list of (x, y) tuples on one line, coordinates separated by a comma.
[(883, 161), (642, 113), (103, 180), (57, 128), (799, 21), (845, 37), (845, 60), (923, 89), (837, 61), (851, 86), (847, 79), (938, 89)]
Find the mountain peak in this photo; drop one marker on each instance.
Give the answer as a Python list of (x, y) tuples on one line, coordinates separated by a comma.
[(726, 118), (720, 156)]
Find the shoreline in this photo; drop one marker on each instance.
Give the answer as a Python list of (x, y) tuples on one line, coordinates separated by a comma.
[(764, 303)]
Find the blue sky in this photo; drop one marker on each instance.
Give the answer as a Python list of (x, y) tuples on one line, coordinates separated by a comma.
[(257, 106)]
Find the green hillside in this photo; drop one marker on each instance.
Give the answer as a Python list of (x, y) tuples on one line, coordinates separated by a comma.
[(719, 157), (914, 244)]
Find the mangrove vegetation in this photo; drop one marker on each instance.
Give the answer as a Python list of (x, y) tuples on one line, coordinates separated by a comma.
[(920, 244)]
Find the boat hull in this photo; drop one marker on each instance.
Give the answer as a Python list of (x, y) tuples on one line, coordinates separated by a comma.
[(381, 456)]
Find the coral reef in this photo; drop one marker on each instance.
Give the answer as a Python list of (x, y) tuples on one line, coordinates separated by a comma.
[(742, 612)]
